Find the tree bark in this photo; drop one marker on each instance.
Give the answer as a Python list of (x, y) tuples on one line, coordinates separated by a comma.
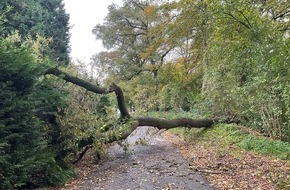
[(125, 116), (121, 100), (93, 88), (132, 123), (173, 123), (81, 154), (77, 81)]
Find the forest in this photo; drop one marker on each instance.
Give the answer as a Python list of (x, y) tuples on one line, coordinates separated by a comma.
[(210, 61)]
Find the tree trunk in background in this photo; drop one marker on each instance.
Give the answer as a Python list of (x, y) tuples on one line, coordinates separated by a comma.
[(204, 42)]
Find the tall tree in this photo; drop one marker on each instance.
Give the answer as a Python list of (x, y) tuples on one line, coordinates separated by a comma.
[(186, 27), (247, 69), (126, 33), (57, 28), (37, 17), (129, 34)]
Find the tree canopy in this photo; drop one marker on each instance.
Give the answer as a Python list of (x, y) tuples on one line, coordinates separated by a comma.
[(222, 61), (222, 58), (44, 18)]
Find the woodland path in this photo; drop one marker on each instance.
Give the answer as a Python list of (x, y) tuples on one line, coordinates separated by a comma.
[(150, 163)]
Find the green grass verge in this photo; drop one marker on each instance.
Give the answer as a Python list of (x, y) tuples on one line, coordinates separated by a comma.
[(228, 134)]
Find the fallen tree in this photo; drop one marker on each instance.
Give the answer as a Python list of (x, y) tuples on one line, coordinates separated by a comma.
[(125, 118)]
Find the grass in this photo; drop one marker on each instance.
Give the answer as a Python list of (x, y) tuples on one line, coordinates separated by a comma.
[(228, 134), (265, 146)]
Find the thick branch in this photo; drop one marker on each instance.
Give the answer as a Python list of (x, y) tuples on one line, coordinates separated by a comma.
[(159, 123), (131, 124), (93, 88), (81, 154), (77, 81), (173, 123), (121, 103), (141, 121)]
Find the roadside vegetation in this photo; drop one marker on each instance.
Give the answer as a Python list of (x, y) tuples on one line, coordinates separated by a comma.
[(200, 59), (231, 134), (231, 145)]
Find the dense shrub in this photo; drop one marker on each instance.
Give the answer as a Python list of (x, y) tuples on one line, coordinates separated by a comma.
[(26, 103)]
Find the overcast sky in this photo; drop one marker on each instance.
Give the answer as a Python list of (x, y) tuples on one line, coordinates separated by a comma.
[(84, 16)]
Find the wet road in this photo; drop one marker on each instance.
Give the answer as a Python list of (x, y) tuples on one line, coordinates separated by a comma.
[(150, 163)]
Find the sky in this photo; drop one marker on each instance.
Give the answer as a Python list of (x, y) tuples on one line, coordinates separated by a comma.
[(84, 16)]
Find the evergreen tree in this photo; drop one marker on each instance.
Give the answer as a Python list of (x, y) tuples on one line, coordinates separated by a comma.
[(37, 17), (57, 27), (25, 156)]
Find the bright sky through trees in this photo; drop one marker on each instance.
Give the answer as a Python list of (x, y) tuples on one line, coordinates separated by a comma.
[(84, 15)]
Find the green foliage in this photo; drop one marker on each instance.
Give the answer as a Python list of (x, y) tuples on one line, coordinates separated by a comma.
[(133, 49), (84, 120), (57, 28), (177, 87), (139, 94), (247, 72), (38, 18), (222, 59), (23, 114)]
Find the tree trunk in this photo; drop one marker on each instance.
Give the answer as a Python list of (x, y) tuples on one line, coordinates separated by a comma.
[(125, 116), (124, 132), (93, 88), (173, 123)]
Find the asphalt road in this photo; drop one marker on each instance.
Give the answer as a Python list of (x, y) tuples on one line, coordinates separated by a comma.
[(150, 163)]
